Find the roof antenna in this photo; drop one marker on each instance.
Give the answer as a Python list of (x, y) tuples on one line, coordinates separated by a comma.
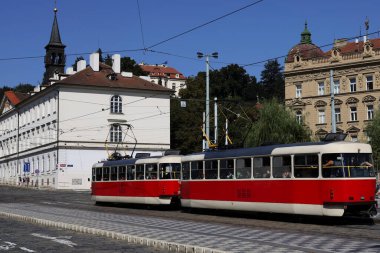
[(366, 23)]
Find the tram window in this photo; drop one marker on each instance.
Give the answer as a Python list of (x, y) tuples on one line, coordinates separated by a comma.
[(113, 173), (186, 171), (306, 166), (131, 172), (140, 172), (261, 167), (281, 166), (121, 173), (211, 169), (227, 169), (332, 165), (106, 174), (358, 165), (151, 171), (197, 170), (170, 170), (98, 174), (243, 168)]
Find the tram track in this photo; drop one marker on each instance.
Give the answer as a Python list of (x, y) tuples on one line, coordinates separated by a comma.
[(345, 226)]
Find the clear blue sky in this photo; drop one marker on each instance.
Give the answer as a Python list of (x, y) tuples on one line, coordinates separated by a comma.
[(266, 30)]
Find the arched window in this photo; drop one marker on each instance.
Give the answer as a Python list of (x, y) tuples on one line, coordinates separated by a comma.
[(115, 133), (116, 104)]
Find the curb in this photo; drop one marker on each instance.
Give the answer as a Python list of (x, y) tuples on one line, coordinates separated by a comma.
[(159, 244)]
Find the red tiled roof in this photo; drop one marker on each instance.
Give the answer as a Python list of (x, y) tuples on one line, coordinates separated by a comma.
[(15, 97), (101, 78), (157, 70), (353, 47), (306, 51)]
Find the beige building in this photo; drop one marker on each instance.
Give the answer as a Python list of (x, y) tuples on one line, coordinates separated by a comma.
[(356, 84)]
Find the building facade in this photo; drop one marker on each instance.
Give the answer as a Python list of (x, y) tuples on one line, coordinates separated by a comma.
[(52, 137), (164, 75), (356, 85)]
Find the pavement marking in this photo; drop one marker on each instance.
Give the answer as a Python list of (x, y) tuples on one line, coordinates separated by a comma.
[(26, 249), (60, 240)]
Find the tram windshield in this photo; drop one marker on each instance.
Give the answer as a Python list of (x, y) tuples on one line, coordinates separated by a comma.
[(347, 165), (170, 170)]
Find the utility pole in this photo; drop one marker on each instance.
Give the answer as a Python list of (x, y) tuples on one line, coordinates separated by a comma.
[(216, 121), (201, 55), (332, 88)]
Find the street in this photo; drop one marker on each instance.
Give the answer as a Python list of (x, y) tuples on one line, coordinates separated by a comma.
[(63, 212)]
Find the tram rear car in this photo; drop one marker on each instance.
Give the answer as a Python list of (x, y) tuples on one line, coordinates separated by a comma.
[(290, 179), (152, 180)]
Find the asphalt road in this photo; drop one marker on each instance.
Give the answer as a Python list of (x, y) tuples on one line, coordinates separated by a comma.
[(16, 236)]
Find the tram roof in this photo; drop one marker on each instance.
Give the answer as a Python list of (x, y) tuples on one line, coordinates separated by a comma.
[(255, 151), (120, 162)]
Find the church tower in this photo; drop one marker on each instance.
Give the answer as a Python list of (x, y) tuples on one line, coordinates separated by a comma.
[(55, 58)]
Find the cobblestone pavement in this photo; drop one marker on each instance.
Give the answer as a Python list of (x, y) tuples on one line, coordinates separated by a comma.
[(205, 237)]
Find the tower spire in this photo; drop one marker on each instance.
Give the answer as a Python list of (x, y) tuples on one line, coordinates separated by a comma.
[(55, 37), (55, 58), (306, 35)]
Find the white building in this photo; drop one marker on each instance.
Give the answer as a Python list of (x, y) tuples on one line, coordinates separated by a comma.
[(166, 76), (76, 119)]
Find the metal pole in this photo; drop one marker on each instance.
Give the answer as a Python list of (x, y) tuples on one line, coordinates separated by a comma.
[(216, 121), (332, 88), (207, 101), (226, 132), (203, 126)]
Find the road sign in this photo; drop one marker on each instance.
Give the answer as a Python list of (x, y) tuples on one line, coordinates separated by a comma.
[(26, 167)]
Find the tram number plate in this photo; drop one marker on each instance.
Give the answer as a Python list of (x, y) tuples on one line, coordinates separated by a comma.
[(244, 193)]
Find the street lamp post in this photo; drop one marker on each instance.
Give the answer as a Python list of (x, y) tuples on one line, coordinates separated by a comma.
[(201, 55)]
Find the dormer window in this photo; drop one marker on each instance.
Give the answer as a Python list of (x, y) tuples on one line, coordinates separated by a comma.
[(116, 104)]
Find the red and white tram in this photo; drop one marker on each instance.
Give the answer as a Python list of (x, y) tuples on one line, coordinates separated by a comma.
[(151, 180), (326, 178)]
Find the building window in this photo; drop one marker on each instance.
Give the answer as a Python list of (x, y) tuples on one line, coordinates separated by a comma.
[(353, 113), (115, 133), (353, 84), (116, 104), (321, 88), (337, 115), (369, 112), (369, 82), (298, 90), (299, 117), (354, 138), (336, 86), (321, 116), (173, 86)]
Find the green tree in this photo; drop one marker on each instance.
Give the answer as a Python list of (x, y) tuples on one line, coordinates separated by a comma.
[(272, 81), (236, 93), (126, 64), (186, 122), (276, 124), (373, 132), (24, 88)]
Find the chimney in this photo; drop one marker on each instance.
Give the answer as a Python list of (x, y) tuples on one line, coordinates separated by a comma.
[(81, 65), (356, 40), (116, 63), (127, 74), (94, 61), (70, 71), (364, 39)]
